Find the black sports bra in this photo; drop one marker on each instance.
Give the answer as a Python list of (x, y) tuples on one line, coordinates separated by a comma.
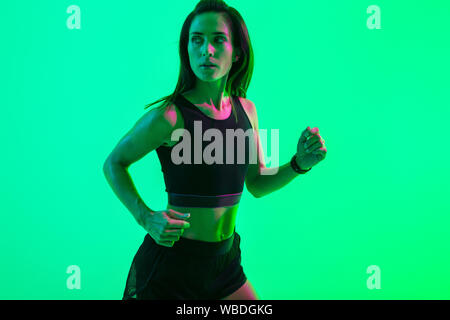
[(210, 174)]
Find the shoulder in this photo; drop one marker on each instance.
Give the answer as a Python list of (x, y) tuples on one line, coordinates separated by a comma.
[(171, 114), (161, 120), (168, 115), (160, 116), (250, 110), (171, 118)]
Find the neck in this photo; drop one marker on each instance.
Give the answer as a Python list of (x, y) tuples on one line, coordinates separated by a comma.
[(211, 94)]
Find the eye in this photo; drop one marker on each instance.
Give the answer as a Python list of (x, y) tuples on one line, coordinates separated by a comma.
[(194, 39)]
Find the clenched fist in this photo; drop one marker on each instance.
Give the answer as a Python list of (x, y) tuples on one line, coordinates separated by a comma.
[(165, 226), (310, 148)]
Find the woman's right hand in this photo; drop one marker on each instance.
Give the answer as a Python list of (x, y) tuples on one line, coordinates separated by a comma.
[(165, 226)]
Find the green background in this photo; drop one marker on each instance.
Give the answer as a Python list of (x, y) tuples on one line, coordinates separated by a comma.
[(380, 99)]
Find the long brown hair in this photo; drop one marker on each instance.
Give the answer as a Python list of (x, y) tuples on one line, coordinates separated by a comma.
[(241, 71)]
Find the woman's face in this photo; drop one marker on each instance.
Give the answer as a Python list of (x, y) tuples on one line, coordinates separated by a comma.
[(210, 42)]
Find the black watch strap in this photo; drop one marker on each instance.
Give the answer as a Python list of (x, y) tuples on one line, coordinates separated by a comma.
[(295, 166)]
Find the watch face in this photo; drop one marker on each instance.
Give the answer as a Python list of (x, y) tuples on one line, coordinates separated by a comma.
[(296, 168), (294, 165)]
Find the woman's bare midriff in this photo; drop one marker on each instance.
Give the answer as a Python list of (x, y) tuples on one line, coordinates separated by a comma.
[(209, 224)]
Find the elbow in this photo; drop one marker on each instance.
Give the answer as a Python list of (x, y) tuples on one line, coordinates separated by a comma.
[(257, 195), (110, 162), (107, 165), (252, 187), (253, 192)]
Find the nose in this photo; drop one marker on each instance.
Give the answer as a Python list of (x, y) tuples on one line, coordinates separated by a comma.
[(208, 49)]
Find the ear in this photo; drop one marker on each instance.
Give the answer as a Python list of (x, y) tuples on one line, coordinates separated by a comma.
[(238, 53)]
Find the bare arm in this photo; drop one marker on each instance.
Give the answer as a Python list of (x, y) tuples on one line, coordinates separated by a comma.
[(149, 132), (260, 180)]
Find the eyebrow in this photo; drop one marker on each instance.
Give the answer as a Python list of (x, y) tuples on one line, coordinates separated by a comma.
[(212, 33)]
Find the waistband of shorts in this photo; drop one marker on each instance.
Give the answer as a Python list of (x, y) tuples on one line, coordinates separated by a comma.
[(185, 246)]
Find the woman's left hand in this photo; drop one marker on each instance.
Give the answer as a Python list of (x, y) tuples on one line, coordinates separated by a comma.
[(310, 148)]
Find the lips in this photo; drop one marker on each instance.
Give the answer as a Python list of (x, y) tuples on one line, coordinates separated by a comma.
[(208, 64)]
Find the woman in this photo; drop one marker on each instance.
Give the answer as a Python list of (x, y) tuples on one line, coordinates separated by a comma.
[(191, 250)]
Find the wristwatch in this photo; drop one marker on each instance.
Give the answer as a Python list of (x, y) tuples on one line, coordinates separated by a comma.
[(295, 166)]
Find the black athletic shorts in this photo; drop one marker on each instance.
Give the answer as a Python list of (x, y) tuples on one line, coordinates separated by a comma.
[(189, 270)]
